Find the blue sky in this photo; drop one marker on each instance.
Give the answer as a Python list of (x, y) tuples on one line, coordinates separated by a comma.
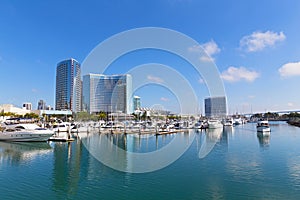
[(255, 45)]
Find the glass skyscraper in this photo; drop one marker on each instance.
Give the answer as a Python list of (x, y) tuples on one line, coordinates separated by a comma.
[(215, 107), (108, 93), (68, 86), (136, 103)]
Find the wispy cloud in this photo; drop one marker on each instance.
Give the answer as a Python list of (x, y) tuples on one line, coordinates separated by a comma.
[(34, 90), (290, 104), (257, 41), (155, 79), (210, 48), (201, 81), (234, 74), (289, 69), (164, 99), (251, 96)]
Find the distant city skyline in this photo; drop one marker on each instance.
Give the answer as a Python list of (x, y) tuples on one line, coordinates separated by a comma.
[(254, 45)]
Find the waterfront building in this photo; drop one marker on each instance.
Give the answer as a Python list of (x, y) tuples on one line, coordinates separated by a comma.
[(41, 105), (68, 86), (136, 103), (9, 108), (215, 106), (27, 106), (108, 93)]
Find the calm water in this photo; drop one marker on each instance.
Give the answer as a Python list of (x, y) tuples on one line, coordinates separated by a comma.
[(239, 166)]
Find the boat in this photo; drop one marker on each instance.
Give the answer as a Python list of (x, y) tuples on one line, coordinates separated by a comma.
[(214, 123), (263, 127), (228, 122), (24, 133), (62, 127)]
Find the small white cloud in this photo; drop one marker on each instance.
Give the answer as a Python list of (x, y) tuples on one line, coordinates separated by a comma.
[(164, 99), (155, 79), (34, 90), (201, 81), (290, 104), (257, 41), (210, 48), (251, 96), (233, 74), (290, 69)]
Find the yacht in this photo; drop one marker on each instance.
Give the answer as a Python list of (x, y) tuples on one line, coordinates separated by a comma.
[(24, 133), (214, 123), (62, 127), (263, 127), (228, 122)]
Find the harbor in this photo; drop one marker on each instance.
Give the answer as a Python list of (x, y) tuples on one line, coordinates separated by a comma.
[(240, 161)]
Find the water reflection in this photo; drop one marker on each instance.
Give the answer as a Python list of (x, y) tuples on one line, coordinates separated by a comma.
[(19, 152), (138, 153), (264, 141), (66, 168), (212, 136)]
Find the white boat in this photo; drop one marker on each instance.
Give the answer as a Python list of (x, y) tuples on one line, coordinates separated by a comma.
[(237, 121), (214, 123), (24, 133), (228, 122), (62, 127), (263, 127)]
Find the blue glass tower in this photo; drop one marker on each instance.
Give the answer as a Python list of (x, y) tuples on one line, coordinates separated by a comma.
[(68, 86), (108, 93)]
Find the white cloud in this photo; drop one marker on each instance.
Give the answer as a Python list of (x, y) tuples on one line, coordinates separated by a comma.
[(290, 104), (257, 41), (233, 74), (251, 96), (164, 99), (290, 69), (155, 79), (201, 81), (34, 90), (210, 48)]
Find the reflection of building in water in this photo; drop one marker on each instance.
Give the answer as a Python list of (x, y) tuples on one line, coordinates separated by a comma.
[(66, 170)]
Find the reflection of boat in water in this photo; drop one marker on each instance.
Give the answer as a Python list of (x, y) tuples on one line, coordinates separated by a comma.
[(23, 151), (211, 138), (264, 141)]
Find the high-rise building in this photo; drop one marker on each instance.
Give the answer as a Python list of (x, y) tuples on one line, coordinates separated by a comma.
[(136, 103), (41, 105), (108, 93), (27, 106), (68, 86), (215, 107)]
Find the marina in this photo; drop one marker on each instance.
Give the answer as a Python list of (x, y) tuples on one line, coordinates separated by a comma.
[(228, 163)]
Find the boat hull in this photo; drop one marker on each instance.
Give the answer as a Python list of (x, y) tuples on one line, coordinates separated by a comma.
[(263, 131), (22, 136)]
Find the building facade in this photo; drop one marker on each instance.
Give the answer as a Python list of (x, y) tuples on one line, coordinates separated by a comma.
[(108, 93), (215, 107), (68, 86), (27, 106), (136, 103), (41, 105)]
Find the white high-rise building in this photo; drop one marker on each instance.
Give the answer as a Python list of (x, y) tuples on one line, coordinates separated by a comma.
[(27, 106), (108, 93)]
